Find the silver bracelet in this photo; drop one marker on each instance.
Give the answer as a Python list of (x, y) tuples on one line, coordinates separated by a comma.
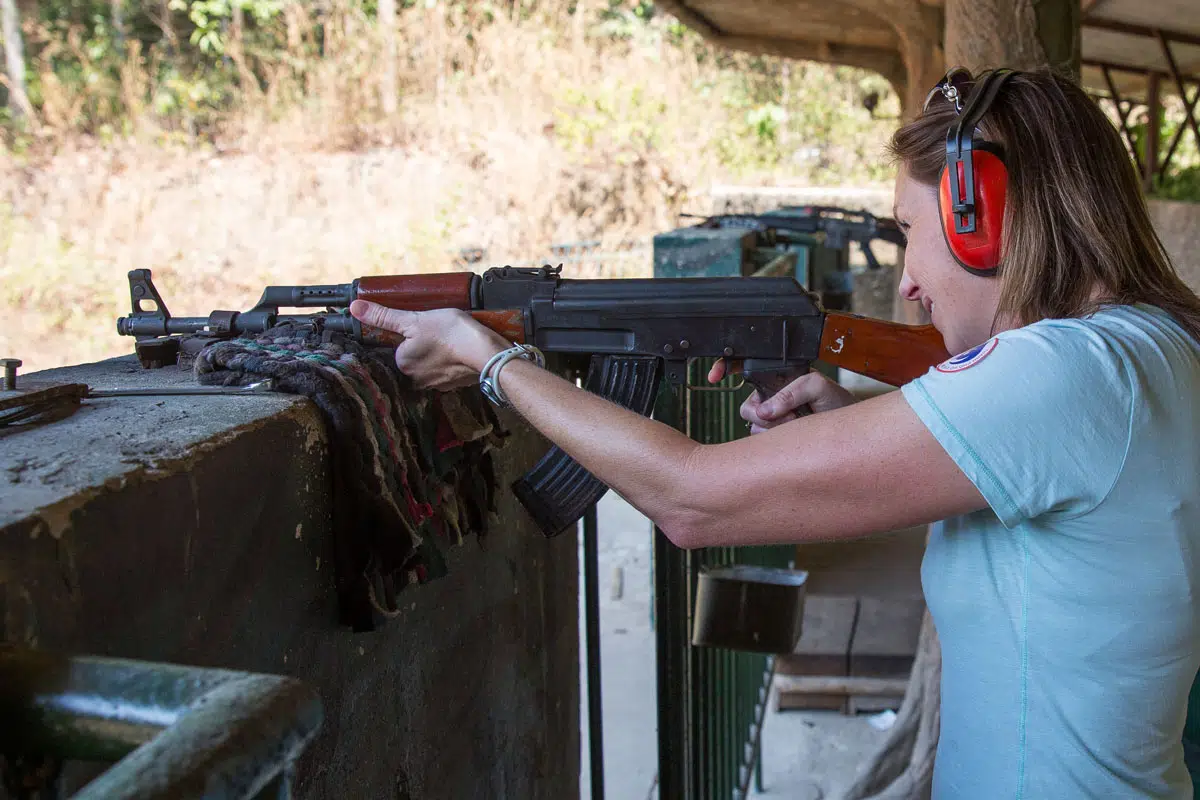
[(489, 376)]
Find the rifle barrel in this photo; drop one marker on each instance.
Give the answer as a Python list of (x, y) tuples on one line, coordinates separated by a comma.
[(238, 324)]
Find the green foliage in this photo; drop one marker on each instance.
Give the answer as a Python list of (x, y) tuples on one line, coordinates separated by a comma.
[(806, 120), (803, 119), (1183, 184), (175, 65), (625, 20), (1182, 178), (101, 67), (611, 112), (210, 17), (1182, 181)]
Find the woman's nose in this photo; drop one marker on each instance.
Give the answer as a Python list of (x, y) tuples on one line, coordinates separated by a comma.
[(908, 288)]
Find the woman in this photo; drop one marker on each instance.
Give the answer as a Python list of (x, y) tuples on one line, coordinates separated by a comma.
[(1059, 450)]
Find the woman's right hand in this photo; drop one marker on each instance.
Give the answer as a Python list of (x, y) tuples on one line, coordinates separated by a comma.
[(813, 390)]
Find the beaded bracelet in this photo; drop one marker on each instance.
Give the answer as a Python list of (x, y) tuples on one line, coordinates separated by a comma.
[(489, 376)]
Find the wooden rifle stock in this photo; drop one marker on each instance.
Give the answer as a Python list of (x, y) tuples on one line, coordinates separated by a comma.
[(886, 351)]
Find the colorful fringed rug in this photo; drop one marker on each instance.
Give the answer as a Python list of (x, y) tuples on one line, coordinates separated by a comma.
[(412, 468)]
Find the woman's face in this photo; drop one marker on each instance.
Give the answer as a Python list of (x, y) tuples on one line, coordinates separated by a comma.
[(961, 306)]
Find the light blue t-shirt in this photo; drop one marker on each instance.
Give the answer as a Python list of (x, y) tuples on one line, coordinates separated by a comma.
[(1068, 612)]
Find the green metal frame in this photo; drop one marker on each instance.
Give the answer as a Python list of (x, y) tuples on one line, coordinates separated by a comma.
[(711, 701), (174, 731)]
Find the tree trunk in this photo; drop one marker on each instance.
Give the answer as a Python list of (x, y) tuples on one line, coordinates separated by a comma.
[(387, 30), (247, 81), (168, 29), (117, 10), (238, 20), (785, 100), (985, 34), (918, 27), (924, 59), (924, 62), (14, 60)]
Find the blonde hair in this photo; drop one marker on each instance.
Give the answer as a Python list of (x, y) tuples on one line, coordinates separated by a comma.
[(1075, 217)]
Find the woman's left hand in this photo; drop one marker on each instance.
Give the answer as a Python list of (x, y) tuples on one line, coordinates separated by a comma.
[(443, 349)]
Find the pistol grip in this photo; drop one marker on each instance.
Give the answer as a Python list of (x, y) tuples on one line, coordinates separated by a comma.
[(769, 379)]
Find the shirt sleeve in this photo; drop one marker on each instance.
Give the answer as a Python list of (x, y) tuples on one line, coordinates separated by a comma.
[(1038, 418)]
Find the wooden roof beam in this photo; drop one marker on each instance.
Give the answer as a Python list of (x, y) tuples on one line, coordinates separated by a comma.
[(1141, 30), (884, 61), (1123, 116), (1189, 105), (1091, 62), (850, 28)]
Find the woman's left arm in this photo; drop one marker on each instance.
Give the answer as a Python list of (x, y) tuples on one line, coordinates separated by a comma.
[(866, 468)]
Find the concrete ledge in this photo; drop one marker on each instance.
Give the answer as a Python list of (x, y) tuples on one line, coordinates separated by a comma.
[(197, 530), (112, 442)]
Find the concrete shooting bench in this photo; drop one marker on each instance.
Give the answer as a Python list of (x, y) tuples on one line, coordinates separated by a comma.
[(197, 531)]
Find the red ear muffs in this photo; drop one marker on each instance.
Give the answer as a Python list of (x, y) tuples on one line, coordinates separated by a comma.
[(979, 251), (974, 183)]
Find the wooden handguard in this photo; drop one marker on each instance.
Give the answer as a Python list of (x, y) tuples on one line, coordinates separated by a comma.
[(427, 292), (509, 323), (418, 292), (886, 351)]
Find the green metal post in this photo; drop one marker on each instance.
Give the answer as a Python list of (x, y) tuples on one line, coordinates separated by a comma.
[(711, 701), (671, 636)]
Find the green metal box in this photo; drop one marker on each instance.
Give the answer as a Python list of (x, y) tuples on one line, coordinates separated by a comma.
[(703, 252)]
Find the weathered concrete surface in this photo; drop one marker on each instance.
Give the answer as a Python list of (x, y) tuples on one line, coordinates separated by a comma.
[(197, 530), (125, 439), (1178, 225)]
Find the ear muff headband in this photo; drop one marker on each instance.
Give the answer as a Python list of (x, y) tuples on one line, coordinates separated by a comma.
[(974, 185)]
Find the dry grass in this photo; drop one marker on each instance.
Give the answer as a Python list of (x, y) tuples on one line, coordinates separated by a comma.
[(536, 133)]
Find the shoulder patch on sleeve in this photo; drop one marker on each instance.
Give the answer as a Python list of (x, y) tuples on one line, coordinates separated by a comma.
[(968, 358)]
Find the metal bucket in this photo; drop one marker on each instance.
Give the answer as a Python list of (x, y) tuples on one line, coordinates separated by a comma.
[(747, 607)]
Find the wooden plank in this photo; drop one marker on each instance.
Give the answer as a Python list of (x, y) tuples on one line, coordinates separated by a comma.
[(842, 684), (845, 693), (882, 566), (1183, 37), (885, 636), (824, 646), (1123, 117), (794, 701), (1174, 67)]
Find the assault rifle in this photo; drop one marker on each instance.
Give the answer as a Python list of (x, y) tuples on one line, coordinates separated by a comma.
[(624, 335), (839, 226)]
